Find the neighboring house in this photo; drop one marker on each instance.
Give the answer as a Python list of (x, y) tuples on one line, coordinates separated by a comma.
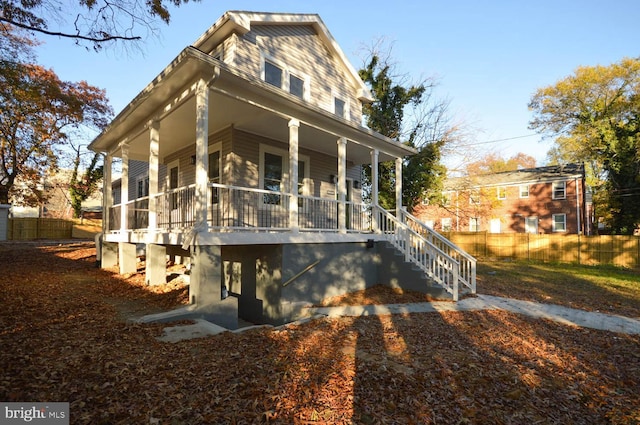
[(58, 198), (549, 199), (245, 156), (54, 198)]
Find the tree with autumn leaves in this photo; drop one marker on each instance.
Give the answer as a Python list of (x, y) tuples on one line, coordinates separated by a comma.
[(40, 114), (594, 116)]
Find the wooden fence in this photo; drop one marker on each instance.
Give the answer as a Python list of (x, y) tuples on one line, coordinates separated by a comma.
[(21, 229), (591, 250)]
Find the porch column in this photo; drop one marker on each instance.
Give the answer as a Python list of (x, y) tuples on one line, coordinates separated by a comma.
[(342, 185), (126, 251), (107, 196), (294, 125), (124, 189), (375, 156), (202, 154), (398, 187), (154, 148)]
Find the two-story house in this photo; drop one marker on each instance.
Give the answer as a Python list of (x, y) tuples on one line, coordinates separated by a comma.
[(244, 155), (533, 200)]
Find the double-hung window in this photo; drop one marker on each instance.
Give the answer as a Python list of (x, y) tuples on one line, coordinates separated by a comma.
[(502, 192), (559, 222), (559, 190), (524, 190)]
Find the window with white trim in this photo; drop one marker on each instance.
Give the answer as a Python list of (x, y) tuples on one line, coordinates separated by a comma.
[(524, 190), (531, 224), (559, 190), (173, 180), (214, 171), (279, 75), (559, 222), (445, 223), (474, 224), (474, 197), (296, 86), (340, 107), (502, 192), (142, 187), (272, 74), (274, 173)]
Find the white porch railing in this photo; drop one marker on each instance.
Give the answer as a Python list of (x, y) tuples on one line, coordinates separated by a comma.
[(231, 208), (438, 258)]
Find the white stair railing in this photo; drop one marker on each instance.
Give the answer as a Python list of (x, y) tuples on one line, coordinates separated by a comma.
[(437, 257)]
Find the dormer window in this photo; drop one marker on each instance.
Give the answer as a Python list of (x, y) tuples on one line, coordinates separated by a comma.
[(278, 75)]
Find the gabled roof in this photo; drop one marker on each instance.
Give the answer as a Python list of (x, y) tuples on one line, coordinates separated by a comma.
[(522, 176), (240, 22)]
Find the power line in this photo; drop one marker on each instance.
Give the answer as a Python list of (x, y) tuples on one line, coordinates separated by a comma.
[(499, 140)]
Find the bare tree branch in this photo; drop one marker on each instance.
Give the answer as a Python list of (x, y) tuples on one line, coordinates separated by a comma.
[(107, 37)]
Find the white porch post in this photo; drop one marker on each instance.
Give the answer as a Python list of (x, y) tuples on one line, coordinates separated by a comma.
[(398, 187), (107, 196), (375, 156), (202, 154), (293, 173), (342, 185), (124, 189), (154, 148)]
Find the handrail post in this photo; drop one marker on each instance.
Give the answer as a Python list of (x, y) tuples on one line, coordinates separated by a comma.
[(407, 245), (456, 283)]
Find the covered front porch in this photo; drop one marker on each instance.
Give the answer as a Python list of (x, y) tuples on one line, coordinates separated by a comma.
[(185, 114)]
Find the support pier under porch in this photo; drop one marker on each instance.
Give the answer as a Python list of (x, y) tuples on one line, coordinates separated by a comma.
[(261, 280)]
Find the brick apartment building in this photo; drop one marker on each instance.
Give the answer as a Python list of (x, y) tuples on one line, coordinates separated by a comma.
[(549, 199)]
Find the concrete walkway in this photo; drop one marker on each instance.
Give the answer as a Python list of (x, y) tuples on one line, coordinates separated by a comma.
[(565, 315)]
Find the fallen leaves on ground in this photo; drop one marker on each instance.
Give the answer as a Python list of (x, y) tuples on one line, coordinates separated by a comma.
[(378, 294), (64, 338)]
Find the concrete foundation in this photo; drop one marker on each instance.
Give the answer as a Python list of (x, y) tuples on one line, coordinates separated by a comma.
[(109, 257), (127, 257), (272, 284), (156, 265)]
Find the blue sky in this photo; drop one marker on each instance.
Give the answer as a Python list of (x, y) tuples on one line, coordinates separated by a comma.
[(488, 56)]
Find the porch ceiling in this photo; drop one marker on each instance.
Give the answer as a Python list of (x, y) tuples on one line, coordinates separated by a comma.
[(177, 130)]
